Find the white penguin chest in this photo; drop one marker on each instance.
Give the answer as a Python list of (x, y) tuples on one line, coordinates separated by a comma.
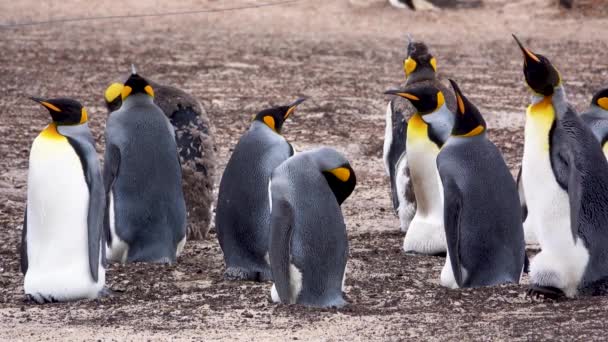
[(57, 205), (422, 160)]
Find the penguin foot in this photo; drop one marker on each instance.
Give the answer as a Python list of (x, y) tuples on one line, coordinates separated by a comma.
[(235, 274), (107, 292), (40, 299), (437, 254), (547, 292)]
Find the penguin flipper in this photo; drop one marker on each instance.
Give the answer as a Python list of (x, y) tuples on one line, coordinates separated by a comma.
[(522, 196), (281, 230), (452, 207), (23, 247), (110, 171), (92, 174)]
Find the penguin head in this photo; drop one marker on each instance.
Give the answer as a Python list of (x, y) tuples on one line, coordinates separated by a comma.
[(276, 116), (420, 64), (136, 84), (425, 98), (600, 99), (64, 111), (338, 172), (541, 76), (468, 120), (113, 96)]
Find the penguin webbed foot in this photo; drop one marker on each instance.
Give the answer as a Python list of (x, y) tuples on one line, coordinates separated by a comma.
[(236, 274), (39, 299), (546, 292)]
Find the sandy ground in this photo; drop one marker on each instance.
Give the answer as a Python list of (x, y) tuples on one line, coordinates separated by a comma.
[(343, 56)]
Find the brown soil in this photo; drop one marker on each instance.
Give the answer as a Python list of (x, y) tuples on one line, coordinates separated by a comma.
[(343, 56)]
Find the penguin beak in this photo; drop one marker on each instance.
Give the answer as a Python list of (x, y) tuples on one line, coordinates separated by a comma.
[(46, 104), (292, 106), (528, 55), (402, 93), (458, 93)]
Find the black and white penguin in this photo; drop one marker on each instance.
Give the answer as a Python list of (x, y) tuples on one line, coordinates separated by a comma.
[(146, 213), (565, 178), (484, 231), (62, 255), (194, 138), (420, 68), (308, 243), (242, 216)]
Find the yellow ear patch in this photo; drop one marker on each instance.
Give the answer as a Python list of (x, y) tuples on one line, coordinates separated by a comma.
[(341, 173), (269, 121), (409, 65), (113, 91), (50, 106), (126, 91), (460, 104), (83, 116), (434, 63), (440, 99), (409, 96), (149, 90), (603, 102), (475, 131)]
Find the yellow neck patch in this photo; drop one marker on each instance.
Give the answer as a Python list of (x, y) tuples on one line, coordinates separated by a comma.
[(126, 91), (540, 117), (440, 100), (51, 133), (409, 65), (341, 173), (269, 121), (434, 64), (417, 128), (603, 103), (84, 117), (475, 131), (113, 92)]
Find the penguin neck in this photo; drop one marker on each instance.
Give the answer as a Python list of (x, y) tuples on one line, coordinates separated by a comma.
[(424, 74), (137, 100), (50, 132), (440, 123), (258, 125)]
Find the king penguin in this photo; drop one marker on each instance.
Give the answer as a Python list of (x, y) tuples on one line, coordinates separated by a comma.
[(242, 216), (420, 68), (308, 243), (427, 131), (596, 117), (482, 215), (195, 144), (565, 177), (146, 213), (62, 255)]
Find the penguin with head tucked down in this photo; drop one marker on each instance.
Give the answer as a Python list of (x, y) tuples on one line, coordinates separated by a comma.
[(427, 131), (482, 215), (242, 216), (62, 254), (565, 178), (308, 243), (596, 117), (420, 68), (146, 213), (194, 138)]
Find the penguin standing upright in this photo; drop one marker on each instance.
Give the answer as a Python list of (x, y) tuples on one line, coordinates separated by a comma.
[(420, 68), (596, 117), (482, 215), (242, 216), (146, 213), (194, 138), (62, 251), (565, 178), (308, 244), (426, 233)]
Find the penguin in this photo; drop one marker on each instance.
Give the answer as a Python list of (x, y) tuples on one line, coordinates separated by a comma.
[(425, 137), (145, 220), (62, 255), (596, 117), (308, 242), (242, 215), (196, 148), (482, 215), (565, 177), (420, 67)]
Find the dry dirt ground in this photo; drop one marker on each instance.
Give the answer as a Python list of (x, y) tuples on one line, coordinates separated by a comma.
[(343, 55)]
